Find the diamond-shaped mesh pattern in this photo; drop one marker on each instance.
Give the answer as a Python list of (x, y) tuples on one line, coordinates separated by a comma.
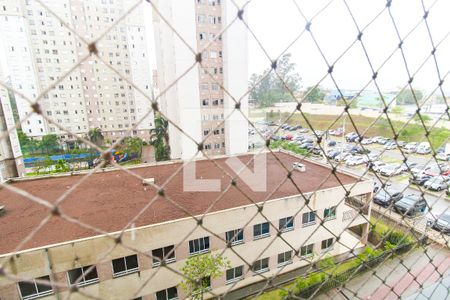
[(422, 242)]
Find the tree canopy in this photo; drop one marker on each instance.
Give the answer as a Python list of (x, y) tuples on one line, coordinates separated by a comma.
[(314, 94), (273, 86), (406, 96)]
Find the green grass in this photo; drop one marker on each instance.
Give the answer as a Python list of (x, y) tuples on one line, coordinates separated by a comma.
[(367, 126)]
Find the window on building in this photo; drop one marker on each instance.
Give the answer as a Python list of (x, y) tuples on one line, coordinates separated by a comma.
[(216, 146), (198, 246), (329, 213), (207, 146), (204, 86), (284, 258), (83, 276), (125, 265), (166, 253), (214, 87), (213, 54), (202, 36), (327, 244), (309, 218), (307, 250), (234, 274), (205, 102), (206, 132), (261, 230), (261, 265), (201, 19), (215, 102), (32, 289), (235, 236), (286, 224), (216, 131), (169, 294)]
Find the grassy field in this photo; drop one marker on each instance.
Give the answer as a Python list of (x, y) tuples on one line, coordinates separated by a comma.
[(368, 127)]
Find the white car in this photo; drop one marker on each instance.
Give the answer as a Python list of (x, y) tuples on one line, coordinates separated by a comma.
[(423, 150), (443, 156), (342, 156), (410, 148), (391, 170), (377, 165), (367, 141), (356, 160), (390, 146)]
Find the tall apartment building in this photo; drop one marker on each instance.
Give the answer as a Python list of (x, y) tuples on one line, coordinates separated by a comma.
[(40, 50), (11, 160), (281, 244), (196, 102)]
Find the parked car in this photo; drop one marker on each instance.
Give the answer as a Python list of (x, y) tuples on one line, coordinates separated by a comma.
[(386, 198), (410, 148), (423, 150), (390, 170), (306, 145), (442, 223), (341, 156), (352, 137), (437, 183), (411, 205), (419, 178), (316, 150), (443, 156), (303, 130), (332, 153), (356, 160), (390, 146), (331, 143), (366, 141), (373, 156), (377, 165), (435, 170)]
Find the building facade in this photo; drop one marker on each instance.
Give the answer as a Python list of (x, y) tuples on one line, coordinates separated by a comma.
[(41, 52), (132, 269), (202, 99), (11, 159)]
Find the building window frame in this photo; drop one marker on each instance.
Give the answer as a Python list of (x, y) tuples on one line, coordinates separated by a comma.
[(203, 246), (329, 213), (286, 224), (37, 287), (309, 218), (168, 253), (83, 280), (236, 276), (307, 251), (327, 245), (127, 263), (166, 294), (261, 230), (286, 258), (261, 265), (235, 236)]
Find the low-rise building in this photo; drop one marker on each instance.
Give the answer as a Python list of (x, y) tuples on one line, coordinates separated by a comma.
[(301, 216)]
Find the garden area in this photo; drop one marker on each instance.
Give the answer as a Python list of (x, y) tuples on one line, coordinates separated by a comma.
[(328, 274)]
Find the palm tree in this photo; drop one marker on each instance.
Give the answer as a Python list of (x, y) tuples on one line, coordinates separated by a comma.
[(159, 138), (95, 135)]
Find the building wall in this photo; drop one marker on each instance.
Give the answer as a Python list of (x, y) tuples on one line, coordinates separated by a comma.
[(196, 102), (40, 51), (55, 260)]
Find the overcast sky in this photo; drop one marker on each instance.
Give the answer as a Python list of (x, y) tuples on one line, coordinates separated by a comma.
[(277, 23)]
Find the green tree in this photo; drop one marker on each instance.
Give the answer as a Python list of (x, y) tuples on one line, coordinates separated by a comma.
[(406, 96), (49, 142), (199, 270), (314, 94), (24, 140), (353, 102), (159, 138), (275, 86), (95, 135), (62, 166), (133, 144)]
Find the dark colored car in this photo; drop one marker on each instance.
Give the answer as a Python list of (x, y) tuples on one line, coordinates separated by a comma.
[(386, 197), (331, 143), (419, 179), (306, 145), (411, 205), (332, 153), (442, 223), (316, 150)]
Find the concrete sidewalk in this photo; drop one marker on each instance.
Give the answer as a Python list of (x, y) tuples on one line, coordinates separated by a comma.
[(398, 281)]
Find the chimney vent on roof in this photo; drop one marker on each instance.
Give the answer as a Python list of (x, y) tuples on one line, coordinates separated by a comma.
[(299, 167), (2, 210), (148, 181)]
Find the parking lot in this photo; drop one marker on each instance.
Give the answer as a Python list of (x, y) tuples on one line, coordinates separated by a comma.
[(382, 160)]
